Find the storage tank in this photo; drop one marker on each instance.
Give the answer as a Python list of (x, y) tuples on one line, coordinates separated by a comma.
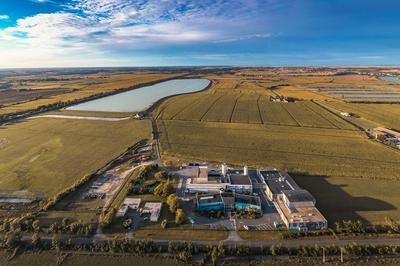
[(245, 170)]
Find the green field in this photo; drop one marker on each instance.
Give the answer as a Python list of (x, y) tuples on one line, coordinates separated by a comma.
[(47, 155)]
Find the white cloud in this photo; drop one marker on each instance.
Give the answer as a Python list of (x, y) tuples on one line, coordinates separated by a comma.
[(372, 57), (4, 17), (93, 27)]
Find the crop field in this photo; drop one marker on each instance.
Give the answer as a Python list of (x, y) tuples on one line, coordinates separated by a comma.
[(199, 108), (8, 97), (342, 157), (387, 115), (247, 108), (295, 149), (82, 86), (275, 113), (298, 93), (222, 109), (47, 155)]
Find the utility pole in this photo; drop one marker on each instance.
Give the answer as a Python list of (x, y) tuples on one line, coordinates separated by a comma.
[(341, 255), (323, 255)]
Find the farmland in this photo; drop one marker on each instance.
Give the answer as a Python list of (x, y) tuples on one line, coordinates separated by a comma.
[(384, 114), (30, 92), (247, 108), (49, 155)]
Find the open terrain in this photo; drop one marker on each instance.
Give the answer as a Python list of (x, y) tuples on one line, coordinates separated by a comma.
[(47, 155), (31, 91)]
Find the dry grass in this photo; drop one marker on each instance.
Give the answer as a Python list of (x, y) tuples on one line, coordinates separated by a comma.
[(47, 155)]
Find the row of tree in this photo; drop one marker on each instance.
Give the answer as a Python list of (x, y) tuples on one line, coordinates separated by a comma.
[(184, 251)]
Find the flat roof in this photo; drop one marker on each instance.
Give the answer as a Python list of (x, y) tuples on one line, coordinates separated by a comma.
[(298, 195), (301, 215), (255, 200), (237, 179), (207, 199), (283, 182), (270, 174)]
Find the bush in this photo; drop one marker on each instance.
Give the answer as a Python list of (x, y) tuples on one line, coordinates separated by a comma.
[(173, 202), (164, 224), (180, 216)]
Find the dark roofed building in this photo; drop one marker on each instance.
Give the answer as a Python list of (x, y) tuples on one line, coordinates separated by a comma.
[(238, 179), (276, 185), (240, 183)]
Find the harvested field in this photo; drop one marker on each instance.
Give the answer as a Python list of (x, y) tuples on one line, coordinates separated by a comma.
[(295, 149), (83, 85), (8, 97), (246, 110), (274, 113), (387, 115), (222, 110), (198, 108), (306, 117), (48, 155)]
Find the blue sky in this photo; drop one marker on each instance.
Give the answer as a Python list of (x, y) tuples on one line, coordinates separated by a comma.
[(57, 33)]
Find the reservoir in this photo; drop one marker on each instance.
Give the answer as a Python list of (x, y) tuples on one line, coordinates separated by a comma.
[(140, 99), (390, 78)]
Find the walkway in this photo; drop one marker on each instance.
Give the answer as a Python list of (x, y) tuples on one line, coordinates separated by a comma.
[(111, 119)]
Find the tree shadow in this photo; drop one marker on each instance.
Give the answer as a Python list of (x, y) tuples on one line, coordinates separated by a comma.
[(335, 203)]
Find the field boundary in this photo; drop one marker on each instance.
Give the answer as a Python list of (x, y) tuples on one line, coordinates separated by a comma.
[(210, 107), (234, 106)]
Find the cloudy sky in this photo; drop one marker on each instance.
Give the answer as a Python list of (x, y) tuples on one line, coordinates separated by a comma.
[(56, 33)]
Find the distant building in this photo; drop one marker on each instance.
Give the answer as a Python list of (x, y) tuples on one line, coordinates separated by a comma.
[(386, 135), (345, 114)]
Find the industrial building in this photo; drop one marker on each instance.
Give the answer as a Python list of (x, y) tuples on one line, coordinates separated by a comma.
[(295, 206), (227, 202), (204, 179)]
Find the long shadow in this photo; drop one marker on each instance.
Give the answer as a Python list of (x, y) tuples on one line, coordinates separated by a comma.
[(335, 203)]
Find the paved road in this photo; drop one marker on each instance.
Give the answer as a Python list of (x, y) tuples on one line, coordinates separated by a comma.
[(111, 119)]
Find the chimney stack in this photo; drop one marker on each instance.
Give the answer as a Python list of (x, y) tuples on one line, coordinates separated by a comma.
[(223, 169)]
